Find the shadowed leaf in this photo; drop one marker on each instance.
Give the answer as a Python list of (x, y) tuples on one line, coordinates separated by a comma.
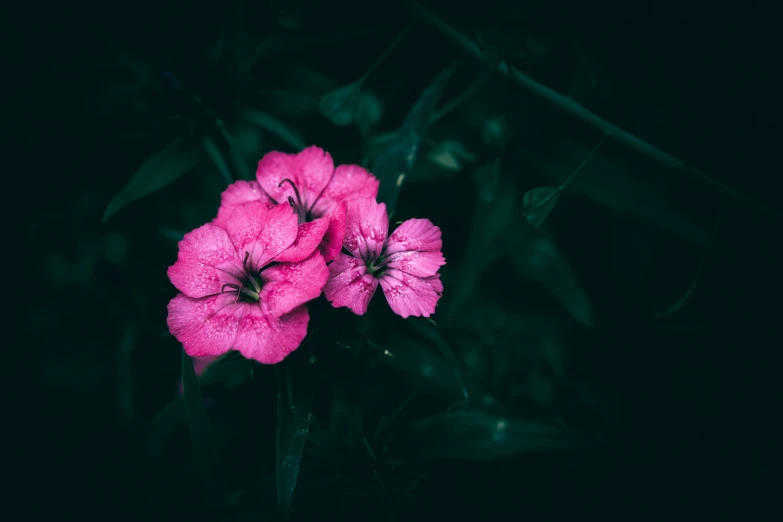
[(481, 436), (342, 104), (157, 172), (539, 203), (229, 373), (397, 159), (206, 451), (276, 127), (294, 411)]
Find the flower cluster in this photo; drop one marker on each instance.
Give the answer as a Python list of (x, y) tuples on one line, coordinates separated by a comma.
[(302, 228)]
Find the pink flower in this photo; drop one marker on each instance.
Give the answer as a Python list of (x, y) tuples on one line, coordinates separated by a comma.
[(235, 291), (406, 263), (313, 187)]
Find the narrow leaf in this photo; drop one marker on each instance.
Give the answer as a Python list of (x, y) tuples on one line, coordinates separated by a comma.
[(397, 159), (539, 203), (294, 411), (157, 172), (206, 453), (213, 151), (226, 372), (342, 104), (276, 127)]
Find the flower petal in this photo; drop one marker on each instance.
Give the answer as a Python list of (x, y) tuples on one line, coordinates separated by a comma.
[(289, 285), (416, 235), (310, 170), (435, 282), (349, 284), (332, 242), (366, 227), (409, 295), (206, 326), (348, 182), (262, 231), (415, 263), (268, 339), (308, 239), (237, 193), (205, 262)]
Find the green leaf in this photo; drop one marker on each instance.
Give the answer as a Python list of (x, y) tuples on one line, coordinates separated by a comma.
[(481, 436), (431, 373), (394, 163), (156, 173), (535, 256), (539, 203), (228, 372), (342, 104), (294, 411), (206, 450), (213, 151), (276, 127)]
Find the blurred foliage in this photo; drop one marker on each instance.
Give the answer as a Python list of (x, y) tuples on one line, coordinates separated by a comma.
[(549, 384)]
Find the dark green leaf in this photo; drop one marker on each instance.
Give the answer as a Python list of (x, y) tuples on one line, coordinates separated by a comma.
[(536, 257), (538, 204), (214, 154), (229, 373), (294, 411), (342, 104), (206, 450), (276, 127), (393, 164), (479, 435), (157, 172), (430, 372)]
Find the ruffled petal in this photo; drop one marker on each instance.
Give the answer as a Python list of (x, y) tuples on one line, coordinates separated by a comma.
[(268, 339), (308, 239), (366, 226), (310, 170), (206, 326), (261, 231), (332, 242), (289, 285), (206, 261), (414, 235), (350, 285), (237, 193), (348, 182), (409, 295)]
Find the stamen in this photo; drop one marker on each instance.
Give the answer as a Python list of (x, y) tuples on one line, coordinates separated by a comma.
[(244, 261), (296, 191), (293, 205), (230, 285)]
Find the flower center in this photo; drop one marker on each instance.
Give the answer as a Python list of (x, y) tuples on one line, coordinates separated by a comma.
[(249, 287), (298, 205)]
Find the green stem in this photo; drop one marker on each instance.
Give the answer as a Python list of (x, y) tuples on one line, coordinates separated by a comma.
[(386, 52), (584, 162), (569, 105)]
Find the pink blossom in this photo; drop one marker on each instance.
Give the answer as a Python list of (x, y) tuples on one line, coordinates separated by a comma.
[(406, 263), (235, 291), (313, 187)]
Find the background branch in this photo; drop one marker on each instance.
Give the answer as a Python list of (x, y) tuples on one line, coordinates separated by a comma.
[(580, 112)]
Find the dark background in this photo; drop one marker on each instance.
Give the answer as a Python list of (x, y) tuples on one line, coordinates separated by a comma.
[(677, 414)]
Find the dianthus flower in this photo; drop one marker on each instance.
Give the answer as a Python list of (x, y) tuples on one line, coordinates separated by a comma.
[(405, 263), (236, 292)]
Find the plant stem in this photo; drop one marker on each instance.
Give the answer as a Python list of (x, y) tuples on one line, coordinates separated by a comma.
[(584, 162), (386, 52), (577, 110)]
